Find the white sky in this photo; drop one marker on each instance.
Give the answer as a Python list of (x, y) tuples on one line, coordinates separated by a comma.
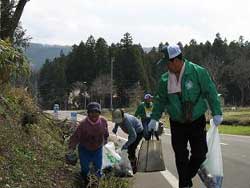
[(67, 22)]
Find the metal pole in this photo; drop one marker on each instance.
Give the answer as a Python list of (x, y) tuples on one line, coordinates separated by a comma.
[(111, 84)]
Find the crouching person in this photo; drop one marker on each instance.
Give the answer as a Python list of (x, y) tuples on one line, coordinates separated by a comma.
[(131, 126), (90, 136)]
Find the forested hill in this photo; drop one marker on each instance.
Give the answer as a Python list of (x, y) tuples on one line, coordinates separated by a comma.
[(38, 53), (87, 68)]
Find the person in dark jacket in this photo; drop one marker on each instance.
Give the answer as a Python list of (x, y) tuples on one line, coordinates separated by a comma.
[(90, 136), (131, 126)]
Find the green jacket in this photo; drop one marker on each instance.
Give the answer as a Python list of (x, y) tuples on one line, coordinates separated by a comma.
[(197, 87), (142, 110)]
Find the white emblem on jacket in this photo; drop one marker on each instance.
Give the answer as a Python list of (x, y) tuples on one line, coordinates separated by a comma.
[(189, 84)]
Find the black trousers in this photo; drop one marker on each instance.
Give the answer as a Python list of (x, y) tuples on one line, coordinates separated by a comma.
[(133, 146), (131, 151), (188, 162), (145, 122)]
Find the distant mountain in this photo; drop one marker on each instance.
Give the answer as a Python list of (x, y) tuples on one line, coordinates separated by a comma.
[(38, 53), (147, 49)]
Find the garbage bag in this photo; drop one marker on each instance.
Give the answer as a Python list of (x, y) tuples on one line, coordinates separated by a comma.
[(150, 158), (211, 171), (110, 156), (123, 168)]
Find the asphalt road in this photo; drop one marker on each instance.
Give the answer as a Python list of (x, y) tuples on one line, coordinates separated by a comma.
[(236, 162)]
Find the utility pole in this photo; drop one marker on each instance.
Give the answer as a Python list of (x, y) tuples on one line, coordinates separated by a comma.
[(85, 91), (111, 85)]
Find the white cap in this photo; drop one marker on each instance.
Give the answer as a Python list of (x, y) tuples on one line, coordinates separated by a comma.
[(173, 51)]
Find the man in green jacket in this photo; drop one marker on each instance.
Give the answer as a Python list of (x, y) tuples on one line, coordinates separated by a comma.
[(143, 112), (185, 90)]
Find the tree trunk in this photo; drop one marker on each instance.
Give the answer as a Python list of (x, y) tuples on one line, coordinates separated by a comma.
[(242, 96), (9, 20)]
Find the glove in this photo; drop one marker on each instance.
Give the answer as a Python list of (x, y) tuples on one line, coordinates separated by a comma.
[(124, 148), (114, 130), (217, 119), (153, 125)]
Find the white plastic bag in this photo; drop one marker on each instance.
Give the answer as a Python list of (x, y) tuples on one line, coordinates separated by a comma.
[(211, 171), (110, 156), (124, 168)]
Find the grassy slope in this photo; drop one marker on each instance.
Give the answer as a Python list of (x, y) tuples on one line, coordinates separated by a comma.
[(35, 159), (33, 155)]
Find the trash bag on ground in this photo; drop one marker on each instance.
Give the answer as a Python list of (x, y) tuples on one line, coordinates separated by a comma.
[(110, 156), (116, 162), (123, 168), (211, 171)]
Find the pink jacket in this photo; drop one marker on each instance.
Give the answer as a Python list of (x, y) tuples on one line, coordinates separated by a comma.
[(91, 135)]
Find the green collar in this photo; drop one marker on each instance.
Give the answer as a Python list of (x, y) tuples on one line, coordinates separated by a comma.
[(188, 68)]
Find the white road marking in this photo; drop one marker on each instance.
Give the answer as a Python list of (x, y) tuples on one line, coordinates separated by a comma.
[(223, 144), (172, 180)]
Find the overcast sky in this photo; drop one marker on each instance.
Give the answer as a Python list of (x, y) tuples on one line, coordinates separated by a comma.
[(67, 22)]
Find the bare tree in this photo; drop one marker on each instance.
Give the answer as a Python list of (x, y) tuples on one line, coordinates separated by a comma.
[(135, 94), (101, 87), (215, 69), (239, 73)]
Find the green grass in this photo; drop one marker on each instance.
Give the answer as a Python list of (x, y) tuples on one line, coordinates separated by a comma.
[(114, 182), (235, 130), (34, 158), (237, 117)]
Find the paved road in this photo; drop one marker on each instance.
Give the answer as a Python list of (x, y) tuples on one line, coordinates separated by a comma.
[(236, 161)]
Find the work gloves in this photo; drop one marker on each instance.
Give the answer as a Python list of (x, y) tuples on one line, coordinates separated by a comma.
[(217, 119), (114, 130), (124, 147), (153, 125)]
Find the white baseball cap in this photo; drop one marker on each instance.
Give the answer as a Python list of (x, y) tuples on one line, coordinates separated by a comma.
[(170, 52), (173, 51)]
